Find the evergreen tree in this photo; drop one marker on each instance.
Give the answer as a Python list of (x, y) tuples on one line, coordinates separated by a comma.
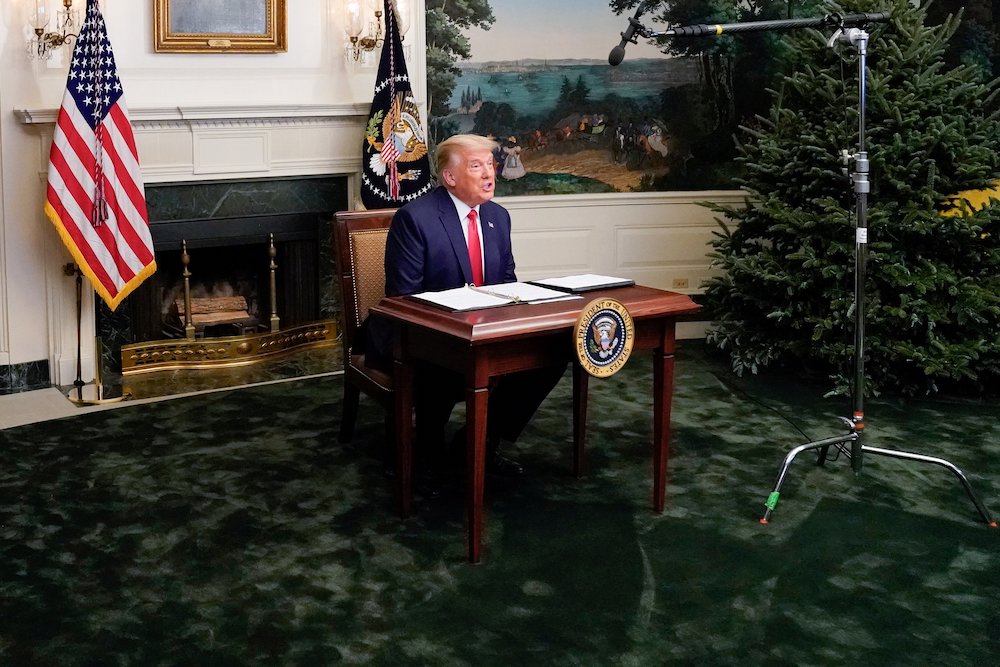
[(933, 280), (447, 44), (565, 90), (977, 41), (581, 92)]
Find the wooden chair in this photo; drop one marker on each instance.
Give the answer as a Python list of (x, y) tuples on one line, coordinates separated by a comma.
[(359, 243)]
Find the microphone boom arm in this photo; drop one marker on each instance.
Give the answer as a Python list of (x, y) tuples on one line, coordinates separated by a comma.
[(830, 20)]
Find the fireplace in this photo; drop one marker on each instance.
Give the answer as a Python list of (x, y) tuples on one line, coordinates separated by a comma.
[(230, 259), (251, 256)]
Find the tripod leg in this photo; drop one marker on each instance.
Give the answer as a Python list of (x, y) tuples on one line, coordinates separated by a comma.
[(772, 498), (852, 427), (910, 456), (821, 459)]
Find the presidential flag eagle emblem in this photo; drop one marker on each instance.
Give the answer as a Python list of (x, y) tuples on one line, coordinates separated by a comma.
[(395, 166), (397, 144)]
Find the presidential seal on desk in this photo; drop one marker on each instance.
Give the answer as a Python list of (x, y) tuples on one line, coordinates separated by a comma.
[(603, 337)]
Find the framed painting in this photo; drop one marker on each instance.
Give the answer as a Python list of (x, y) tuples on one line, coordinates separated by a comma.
[(229, 26)]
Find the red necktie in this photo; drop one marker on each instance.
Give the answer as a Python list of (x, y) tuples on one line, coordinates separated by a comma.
[(475, 250)]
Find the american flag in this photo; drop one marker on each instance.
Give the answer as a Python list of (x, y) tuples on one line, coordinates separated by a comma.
[(95, 195)]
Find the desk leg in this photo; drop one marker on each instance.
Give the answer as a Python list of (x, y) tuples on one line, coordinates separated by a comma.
[(403, 417), (581, 380), (663, 393), (476, 402)]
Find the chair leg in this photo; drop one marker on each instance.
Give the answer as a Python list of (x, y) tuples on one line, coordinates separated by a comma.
[(352, 395)]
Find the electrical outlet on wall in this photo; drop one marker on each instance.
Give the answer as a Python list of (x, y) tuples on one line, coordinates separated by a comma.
[(679, 283)]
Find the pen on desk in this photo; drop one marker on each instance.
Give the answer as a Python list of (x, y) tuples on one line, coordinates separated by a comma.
[(515, 299)]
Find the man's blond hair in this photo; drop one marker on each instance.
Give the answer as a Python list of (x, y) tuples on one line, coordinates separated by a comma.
[(451, 148)]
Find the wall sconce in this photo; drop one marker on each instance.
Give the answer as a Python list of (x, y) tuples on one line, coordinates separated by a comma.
[(363, 25), (44, 43)]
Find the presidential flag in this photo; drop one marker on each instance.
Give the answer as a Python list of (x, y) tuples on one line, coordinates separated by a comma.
[(95, 195), (395, 168)]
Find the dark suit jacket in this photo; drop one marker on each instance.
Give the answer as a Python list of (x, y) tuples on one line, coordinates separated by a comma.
[(426, 252), (426, 249)]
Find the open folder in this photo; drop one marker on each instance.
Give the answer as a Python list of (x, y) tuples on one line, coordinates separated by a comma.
[(469, 297)]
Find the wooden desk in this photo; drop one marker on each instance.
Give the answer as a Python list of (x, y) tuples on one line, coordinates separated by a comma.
[(496, 341)]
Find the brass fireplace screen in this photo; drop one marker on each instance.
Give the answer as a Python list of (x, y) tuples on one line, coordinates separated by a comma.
[(255, 340)]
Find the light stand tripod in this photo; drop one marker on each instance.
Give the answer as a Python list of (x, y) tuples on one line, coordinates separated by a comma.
[(855, 426), (850, 28)]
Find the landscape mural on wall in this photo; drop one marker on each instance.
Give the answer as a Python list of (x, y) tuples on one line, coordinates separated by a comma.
[(667, 118), (537, 79)]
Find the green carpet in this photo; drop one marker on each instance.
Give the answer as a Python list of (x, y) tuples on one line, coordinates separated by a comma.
[(232, 529)]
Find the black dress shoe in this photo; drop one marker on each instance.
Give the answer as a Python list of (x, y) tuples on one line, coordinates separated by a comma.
[(428, 484), (498, 464)]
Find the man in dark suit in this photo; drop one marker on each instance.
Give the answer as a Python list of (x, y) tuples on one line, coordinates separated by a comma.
[(453, 236)]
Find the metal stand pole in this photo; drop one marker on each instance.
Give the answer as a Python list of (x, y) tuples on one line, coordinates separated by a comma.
[(272, 266), (855, 426), (189, 328), (83, 393), (70, 269)]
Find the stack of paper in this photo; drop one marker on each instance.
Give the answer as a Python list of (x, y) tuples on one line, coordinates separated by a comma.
[(489, 296)]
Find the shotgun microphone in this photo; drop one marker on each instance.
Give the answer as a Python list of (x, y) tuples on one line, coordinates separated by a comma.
[(617, 54)]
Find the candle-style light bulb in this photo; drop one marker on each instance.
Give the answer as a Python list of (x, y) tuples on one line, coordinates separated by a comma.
[(353, 19), (39, 17)]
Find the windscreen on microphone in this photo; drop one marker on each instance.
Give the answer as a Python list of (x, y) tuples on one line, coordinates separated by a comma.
[(617, 55)]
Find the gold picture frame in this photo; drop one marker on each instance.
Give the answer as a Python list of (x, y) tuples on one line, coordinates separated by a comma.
[(242, 26)]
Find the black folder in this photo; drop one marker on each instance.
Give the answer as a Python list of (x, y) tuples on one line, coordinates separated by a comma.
[(586, 282)]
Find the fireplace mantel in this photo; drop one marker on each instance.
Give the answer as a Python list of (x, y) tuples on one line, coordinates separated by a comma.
[(197, 143), (194, 114)]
